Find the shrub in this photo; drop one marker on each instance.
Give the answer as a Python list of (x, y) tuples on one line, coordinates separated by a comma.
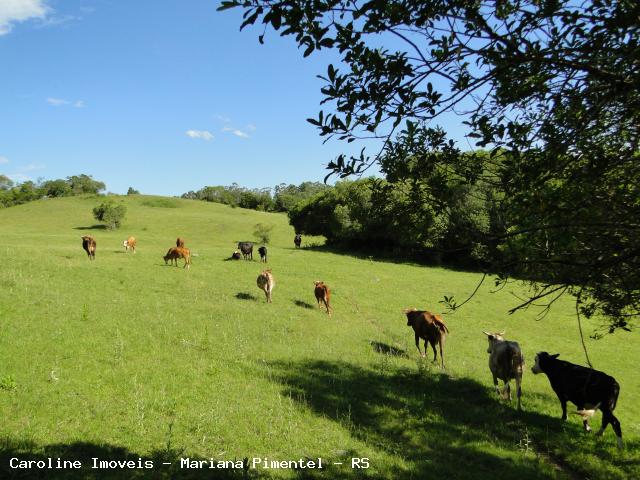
[(110, 213), (263, 232)]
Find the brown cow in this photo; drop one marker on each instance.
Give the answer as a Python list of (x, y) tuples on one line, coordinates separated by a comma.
[(430, 328), (130, 243), (89, 245), (323, 294), (179, 242), (175, 253), (266, 283)]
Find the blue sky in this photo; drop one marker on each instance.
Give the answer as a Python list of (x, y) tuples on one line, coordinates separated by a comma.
[(165, 97)]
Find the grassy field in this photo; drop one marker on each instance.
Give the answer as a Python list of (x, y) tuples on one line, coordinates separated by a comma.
[(126, 358)]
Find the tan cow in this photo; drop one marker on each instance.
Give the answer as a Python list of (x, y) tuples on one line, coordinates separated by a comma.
[(266, 283), (323, 294), (430, 328), (175, 253), (130, 243), (506, 362)]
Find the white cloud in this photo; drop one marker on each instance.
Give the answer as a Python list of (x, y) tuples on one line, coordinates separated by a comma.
[(3, 160), (19, 177), (202, 134), (12, 11), (61, 102), (33, 166), (223, 118), (236, 132)]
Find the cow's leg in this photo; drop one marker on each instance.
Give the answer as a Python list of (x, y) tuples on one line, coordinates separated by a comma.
[(507, 390), (441, 344), (418, 346), (495, 385), (609, 418), (519, 390), (433, 347), (563, 404)]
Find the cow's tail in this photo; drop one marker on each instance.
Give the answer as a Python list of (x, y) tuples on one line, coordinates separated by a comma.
[(615, 391), (440, 324)]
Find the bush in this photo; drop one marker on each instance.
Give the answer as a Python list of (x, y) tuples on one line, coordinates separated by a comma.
[(263, 232), (110, 213)]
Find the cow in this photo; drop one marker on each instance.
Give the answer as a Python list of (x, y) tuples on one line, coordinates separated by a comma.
[(430, 328), (235, 255), (130, 243), (175, 253), (586, 388), (89, 245), (323, 294), (266, 283), (506, 362), (247, 250), (179, 242), (263, 254), (297, 240)]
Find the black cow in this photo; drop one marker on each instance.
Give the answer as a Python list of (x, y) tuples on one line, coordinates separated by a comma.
[(247, 250), (588, 389), (263, 254), (235, 255), (297, 240)]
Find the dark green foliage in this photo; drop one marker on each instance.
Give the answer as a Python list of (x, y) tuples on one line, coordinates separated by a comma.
[(552, 88), (132, 191), (110, 214), (85, 184)]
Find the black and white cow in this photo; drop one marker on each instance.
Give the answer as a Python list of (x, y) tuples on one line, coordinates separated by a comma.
[(588, 389)]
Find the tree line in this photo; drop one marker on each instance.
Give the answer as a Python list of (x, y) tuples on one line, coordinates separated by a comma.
[(28, 191), (279, 199)]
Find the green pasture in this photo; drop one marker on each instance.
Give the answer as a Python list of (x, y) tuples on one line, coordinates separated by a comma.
[(125, 357)]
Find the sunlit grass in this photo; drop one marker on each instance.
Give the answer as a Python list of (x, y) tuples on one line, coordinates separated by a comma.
[(127, 357)]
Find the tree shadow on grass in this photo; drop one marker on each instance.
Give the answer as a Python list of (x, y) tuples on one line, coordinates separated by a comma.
[(92, 227), (435, 426), (246, 296), (300, 303), (85, 452), (388, 350)]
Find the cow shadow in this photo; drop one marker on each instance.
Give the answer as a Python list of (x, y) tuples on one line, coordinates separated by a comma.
[(300, 303), (85, 452), (92, 227), (388, 349), (437, 425), (246, 296)]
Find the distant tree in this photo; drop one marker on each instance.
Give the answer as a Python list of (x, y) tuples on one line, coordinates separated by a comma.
[(263, 232), (5, 182), (110, 214), (132, 191), (56, 188), (85, 184)]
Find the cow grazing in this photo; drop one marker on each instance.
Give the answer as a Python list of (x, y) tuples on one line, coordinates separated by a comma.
[(588, 389), (89, 245), (323, 294), (266, 283), (430, 328), (247, 250), (263, 254), (297, 240), (179, 242), (175, 253), (130, 244), (506, 362), (235, 255)]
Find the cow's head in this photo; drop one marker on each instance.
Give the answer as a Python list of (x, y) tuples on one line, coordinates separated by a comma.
[(493, 338), (410, 318), (541, 362)]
